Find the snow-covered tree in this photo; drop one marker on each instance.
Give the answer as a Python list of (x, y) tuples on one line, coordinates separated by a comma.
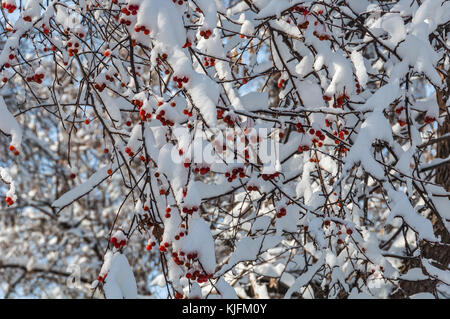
[(225, 148)]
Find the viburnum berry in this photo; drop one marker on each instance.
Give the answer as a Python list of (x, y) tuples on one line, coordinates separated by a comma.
[(179, 296), (429, 119), (9, 201), (401, 122)]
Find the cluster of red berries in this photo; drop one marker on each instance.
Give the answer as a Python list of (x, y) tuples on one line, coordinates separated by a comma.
[(164, 121), (342, 149), (27, 18), (319, 136), (73, 47), (180, 234), (327, 98), (429, 119), (180, 2), (230, 120), (118, 244), (341, 99), (234, 174), (78, 34), (303, 25), (163, 58), (300, 9), (45, 29), (168, 210), (100, 87), (180, 81), (144, 115), (349, 231), (187, 44), (13, 150), (163, 247), (11, 7), (220, 114), (189, 210), (202, 170), (281, 212), (209, 61), (4, 79), (125, 21), (281, 83), (206, 34), (321, 36), (131, 9), (187, 163), (341, 134), (270, 176), (399, 110), (299, 127), (138, 103), (129, 151), (252, 188), (143, 159), (142, 28), (9, 201), (110, 78), (200, 277), (102, 278), (179, 295), (36, 78), (187, 112), (150, 245), (303, 148), (179, 259)]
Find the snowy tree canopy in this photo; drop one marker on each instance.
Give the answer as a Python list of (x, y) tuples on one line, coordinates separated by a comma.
[(225, 148)]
